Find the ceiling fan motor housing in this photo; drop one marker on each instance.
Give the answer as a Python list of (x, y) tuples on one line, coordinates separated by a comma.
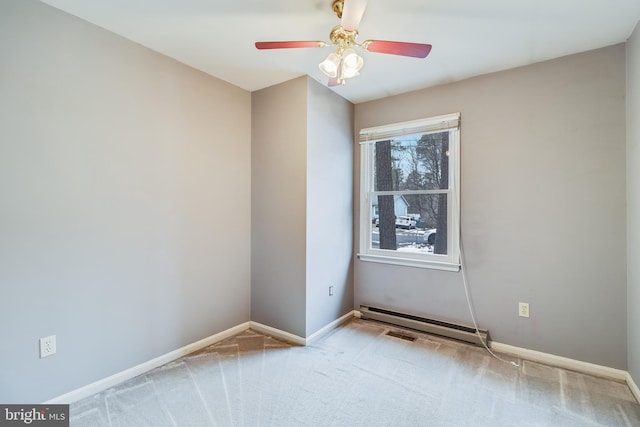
[(343, 38)]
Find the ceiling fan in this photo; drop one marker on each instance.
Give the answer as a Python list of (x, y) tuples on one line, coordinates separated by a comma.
[(344, 62)]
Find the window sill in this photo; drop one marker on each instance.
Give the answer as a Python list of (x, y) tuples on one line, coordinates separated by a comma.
[(408, 262)]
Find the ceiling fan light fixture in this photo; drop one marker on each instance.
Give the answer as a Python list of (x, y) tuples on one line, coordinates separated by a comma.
[(344, 63), (352, 63), (331, 65)]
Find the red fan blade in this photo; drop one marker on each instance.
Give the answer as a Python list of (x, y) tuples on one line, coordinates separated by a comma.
[(416, 50), (352, 12), (289, 44)]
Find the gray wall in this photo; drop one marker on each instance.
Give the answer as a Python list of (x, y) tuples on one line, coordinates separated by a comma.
[(633, 202), (329, 206), (278, 206), (543, 207), (302, 207), (124, 203)]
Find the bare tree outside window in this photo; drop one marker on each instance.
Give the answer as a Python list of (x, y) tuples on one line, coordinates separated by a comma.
[(433, 151), (386, 205)]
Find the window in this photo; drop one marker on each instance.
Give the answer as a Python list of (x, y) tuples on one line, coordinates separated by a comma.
[(410, 193)]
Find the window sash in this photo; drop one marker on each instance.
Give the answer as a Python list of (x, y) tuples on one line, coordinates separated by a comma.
[(407, 192), (449, 257)]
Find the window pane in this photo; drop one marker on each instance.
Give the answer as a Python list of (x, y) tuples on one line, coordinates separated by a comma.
[(410, 223), (416, 162)]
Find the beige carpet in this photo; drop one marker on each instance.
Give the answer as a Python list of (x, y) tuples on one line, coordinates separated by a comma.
[(356, 376)]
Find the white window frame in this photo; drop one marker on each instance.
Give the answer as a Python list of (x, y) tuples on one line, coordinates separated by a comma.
[(368, 136)]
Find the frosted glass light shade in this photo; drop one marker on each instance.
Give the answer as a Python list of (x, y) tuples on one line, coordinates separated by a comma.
[(330, 65), (351, 63)]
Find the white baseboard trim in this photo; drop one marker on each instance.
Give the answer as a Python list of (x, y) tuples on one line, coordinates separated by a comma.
[(277, 333), (142, 368), (561, 362), (330, 327), (533, 355), (115, 379), (633, 386), (295, 339)]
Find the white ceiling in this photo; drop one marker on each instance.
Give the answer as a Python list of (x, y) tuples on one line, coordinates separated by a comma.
[(469, 37)]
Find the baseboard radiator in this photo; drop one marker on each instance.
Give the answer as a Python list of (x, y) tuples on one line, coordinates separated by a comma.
[(432, 326)]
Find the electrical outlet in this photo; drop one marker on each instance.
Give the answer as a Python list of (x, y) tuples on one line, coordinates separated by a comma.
[(330, 290), (523, 309), (47, 346)]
